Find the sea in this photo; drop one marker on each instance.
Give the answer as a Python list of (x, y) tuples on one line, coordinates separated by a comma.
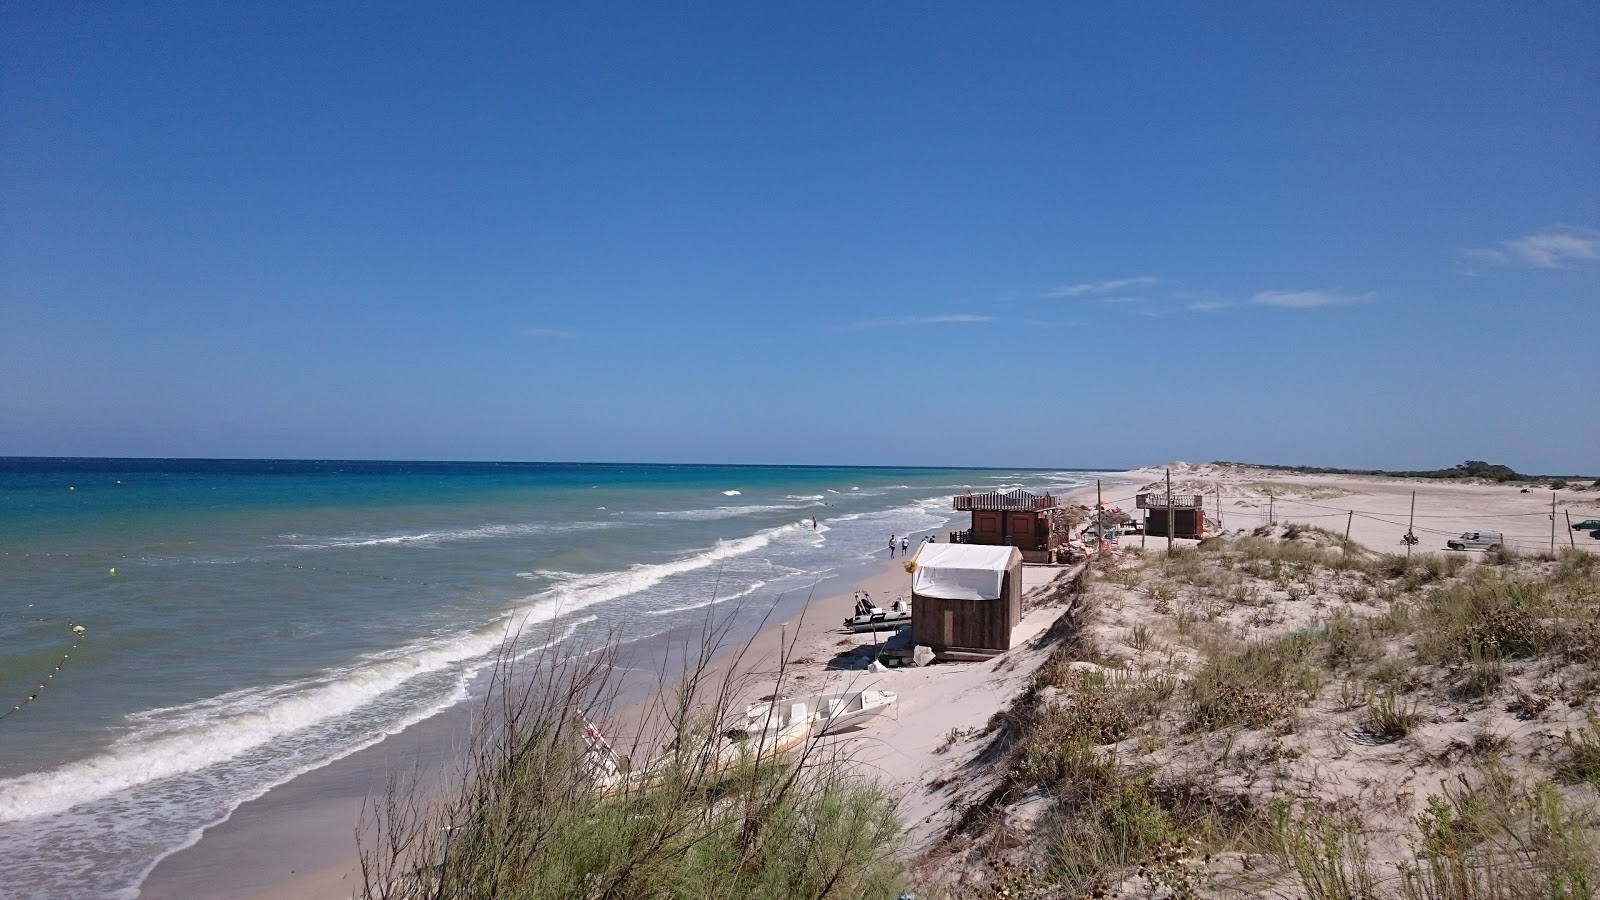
[(247, 621)]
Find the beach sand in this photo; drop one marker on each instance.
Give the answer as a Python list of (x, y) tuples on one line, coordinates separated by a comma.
[(298, 840)]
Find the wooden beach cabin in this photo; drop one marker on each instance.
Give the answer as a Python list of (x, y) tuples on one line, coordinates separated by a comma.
[(965, 599), (1020, 519), (1188, 514)]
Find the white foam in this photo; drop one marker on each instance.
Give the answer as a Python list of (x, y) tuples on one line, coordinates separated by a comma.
[(730, 493), (705, 603), (729, 512), (428, 538), (177, 740), (587, 590)]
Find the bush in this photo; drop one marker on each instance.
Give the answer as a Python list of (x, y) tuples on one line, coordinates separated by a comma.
[(523, 820), (1256, 684)]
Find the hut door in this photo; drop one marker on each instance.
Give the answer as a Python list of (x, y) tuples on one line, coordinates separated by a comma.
[(1021, 531), (948, 627)]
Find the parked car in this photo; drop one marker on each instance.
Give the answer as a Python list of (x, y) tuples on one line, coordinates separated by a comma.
[(1477, 540), (1587, 525)]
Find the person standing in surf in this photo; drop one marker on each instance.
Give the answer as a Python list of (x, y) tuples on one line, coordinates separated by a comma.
[(891, 546)]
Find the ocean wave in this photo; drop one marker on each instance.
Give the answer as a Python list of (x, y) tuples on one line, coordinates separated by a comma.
[(178, 740), (702, 604), (587, 590), (729, 512), (429, 538), (730, 493)]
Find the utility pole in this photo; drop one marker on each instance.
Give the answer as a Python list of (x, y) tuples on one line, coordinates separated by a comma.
[(1409, 523), (1169, 512), (1219, 510), (1099, 518), (1569, 529), (1351, 518), (1552, 523), (1270, 519)]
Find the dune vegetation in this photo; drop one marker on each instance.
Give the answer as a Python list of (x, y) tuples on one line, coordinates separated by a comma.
[(1272, 713)]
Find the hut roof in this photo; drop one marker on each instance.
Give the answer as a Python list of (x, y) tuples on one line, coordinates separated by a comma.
[(962, 571), (1019, 500)]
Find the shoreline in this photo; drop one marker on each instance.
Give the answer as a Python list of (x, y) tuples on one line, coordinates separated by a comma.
[(298, 839)]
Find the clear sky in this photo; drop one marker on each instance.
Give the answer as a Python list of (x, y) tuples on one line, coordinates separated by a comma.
[(860, 233)]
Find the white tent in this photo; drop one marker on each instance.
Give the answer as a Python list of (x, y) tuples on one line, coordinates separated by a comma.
[(962, 571)]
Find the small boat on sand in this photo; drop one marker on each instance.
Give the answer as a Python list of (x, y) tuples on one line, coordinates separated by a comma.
[(834, 712), (869, 617), (768, 729)]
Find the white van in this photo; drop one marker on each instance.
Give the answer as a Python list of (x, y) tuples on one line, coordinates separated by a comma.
[(1476, 540)]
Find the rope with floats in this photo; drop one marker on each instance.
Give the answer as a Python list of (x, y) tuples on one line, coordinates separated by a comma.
[(78, 632)]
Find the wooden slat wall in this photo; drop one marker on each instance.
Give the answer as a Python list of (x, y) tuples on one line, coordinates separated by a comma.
[(976, 624)]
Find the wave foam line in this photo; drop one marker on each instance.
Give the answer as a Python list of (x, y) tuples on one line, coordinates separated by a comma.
[(705, 603), (177, 740), (728, 512), (430, 538), (212, 731), (588, 590)]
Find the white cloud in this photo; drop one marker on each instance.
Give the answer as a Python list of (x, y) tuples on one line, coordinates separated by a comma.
[(941, 319), (1308, 299), (1209, 305), (1091, 288), (544, 333), (1555, 247)]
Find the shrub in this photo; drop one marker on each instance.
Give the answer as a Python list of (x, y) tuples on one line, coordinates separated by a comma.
[(1389, 718), (1326, 854), (1256, 684), (1582, 762), (522, 820), (1505, 617)]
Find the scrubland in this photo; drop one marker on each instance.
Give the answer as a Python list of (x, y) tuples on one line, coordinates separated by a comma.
[(1270, 713)]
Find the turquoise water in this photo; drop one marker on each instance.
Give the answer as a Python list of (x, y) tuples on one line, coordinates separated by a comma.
[(265, 618)]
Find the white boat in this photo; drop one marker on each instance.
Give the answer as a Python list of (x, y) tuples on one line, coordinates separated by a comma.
[(869, 617), (835, 712), (769, 728)]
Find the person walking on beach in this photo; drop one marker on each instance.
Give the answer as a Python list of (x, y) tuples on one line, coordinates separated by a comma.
[(905, 543), (891, 546), (813, 523)]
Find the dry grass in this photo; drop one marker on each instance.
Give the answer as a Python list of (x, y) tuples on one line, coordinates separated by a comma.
[(1278, 652), (528, 815)]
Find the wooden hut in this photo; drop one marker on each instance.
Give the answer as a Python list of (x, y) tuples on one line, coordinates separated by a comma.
[(966, 599), (1020, 519), (1187, 513)]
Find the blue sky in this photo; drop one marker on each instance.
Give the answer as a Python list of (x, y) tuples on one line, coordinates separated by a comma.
[(822, 233)]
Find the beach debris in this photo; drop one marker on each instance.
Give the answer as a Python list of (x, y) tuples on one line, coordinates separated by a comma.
[(922, 655), (876, 667)]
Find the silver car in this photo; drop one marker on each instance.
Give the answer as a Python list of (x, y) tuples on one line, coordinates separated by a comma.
[(1477, 540)]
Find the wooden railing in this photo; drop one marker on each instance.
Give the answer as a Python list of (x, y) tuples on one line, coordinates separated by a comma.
[(1015, 501), (1158, 500)]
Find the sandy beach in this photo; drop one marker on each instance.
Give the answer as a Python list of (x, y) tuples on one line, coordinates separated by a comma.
[(298, 840)]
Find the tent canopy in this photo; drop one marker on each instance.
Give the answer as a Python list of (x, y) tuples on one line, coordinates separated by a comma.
[(962, 571)]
